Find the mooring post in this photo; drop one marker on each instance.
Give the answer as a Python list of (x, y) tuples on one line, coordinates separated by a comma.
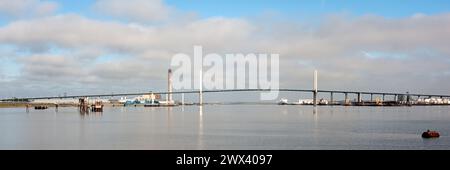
[(315, 88)]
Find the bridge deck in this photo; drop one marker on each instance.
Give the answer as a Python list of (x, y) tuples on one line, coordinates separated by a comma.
[(225, 91)]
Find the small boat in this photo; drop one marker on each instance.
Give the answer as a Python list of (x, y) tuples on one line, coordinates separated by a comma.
[(152, 103), (430, 134), (283, 102), (323, 102), (97, 106), (40, 107)]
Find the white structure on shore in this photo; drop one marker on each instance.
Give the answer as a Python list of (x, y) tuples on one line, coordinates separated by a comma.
[(306, 101), (433, 101)]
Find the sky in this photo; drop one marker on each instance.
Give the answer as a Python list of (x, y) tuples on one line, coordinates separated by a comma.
[(52, 47)]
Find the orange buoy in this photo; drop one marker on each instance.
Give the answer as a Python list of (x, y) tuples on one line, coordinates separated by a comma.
[(430, 134)]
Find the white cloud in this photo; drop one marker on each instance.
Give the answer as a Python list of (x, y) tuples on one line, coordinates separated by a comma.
[(72, 31), (27, 8), (134, 10), (334, 47)]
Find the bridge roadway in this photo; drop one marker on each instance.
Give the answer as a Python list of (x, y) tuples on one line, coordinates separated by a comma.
[(332, 92)]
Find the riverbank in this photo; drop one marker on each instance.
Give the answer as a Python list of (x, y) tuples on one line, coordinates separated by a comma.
[(25, 104)]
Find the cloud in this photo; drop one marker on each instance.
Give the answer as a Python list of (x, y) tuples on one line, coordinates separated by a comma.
[(27, 8), (134, 10), (73, 31), (338, 47)]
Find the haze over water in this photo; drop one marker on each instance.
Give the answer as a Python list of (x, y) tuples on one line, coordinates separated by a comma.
[(226, 127)]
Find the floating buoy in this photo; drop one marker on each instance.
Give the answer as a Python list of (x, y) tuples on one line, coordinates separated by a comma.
[(430, 134)]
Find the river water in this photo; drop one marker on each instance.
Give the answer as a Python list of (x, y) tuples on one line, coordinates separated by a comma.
[(242, 127)]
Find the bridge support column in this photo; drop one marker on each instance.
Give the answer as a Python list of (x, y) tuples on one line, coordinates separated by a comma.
[(331, 98), (346, 99), (371, 97), (182, 98), (359, 98), (315, 98), (384, 95), (200, 102)]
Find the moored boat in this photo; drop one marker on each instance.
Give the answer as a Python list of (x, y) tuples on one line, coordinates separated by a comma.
[(40, 107), (283, 102), (152, 103), (430, 134)]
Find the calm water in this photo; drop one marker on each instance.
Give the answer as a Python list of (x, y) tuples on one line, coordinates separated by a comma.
[(226, 127)]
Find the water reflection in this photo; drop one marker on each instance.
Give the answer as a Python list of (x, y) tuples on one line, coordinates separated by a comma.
[(430, 142), (316, 116), (316, 131), (200, 128), (169, 118), (86, 114), (220, 127)]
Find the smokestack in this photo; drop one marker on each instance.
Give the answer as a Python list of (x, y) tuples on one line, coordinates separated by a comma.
[(169, 88)]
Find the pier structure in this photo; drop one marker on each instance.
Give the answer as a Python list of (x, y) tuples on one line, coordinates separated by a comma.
[(83, 104)]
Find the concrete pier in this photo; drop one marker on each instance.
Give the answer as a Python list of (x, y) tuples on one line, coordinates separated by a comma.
[(346, 98)]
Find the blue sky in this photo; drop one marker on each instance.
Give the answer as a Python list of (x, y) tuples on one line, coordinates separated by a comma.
[(237, 8), (388, 8)]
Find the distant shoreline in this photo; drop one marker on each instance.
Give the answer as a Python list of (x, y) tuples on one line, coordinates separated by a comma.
[(31, 105)]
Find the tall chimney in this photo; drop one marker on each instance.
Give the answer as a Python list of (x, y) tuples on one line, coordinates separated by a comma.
[(169, 88)]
